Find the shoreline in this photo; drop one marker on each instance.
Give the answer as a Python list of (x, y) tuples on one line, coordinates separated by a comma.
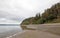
[(37, 26), (35, 34), (41, 24), (16, 34)]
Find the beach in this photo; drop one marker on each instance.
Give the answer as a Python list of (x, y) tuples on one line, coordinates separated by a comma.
[(35, 34), (41, 31)]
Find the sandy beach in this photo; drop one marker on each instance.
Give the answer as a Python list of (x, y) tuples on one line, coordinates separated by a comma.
[(35, 34), (42, 31)]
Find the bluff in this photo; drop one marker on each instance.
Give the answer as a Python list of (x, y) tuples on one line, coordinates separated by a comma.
[(50, 15)]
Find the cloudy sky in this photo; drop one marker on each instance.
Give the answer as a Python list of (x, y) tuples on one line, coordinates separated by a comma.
[(12, 11)]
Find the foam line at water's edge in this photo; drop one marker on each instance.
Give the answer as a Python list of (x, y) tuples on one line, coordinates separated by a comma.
[(15, 34)]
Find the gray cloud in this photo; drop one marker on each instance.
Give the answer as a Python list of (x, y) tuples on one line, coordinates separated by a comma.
[(8, 16), (26, 8), (13, 10)]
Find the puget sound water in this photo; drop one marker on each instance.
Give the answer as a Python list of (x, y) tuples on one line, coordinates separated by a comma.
[(9, 29)]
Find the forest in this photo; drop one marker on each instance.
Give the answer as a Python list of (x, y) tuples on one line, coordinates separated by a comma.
[(50, 15)]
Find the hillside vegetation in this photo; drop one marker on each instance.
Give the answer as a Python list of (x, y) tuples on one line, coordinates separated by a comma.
[(51, 15)]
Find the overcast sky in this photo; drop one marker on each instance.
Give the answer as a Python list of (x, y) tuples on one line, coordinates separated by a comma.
[(23, 8)]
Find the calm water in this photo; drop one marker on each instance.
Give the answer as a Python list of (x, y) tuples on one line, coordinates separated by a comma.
[(9, 29)]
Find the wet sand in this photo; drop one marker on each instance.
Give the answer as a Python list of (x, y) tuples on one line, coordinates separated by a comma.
[(35, 34), (40, 31), (9, 33)]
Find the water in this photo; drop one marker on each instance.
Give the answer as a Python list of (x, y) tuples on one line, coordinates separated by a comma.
[(9, 29)]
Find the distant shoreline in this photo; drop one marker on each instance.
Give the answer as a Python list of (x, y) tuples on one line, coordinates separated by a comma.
[(41, 24), (9, 24)]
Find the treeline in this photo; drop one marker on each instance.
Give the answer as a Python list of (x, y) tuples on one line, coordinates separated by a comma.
[(51, 15)]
